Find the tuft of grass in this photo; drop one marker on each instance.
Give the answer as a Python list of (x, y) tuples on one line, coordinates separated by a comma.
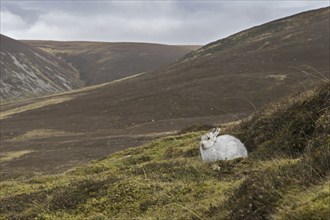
[(40, 133), (285, 128), (36, 105), (305, 203), (11, 155)]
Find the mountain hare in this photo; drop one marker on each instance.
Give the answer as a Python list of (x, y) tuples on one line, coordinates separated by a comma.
[(223, 147)]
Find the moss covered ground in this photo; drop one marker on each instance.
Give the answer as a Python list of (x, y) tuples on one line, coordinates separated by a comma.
[(286, 175)]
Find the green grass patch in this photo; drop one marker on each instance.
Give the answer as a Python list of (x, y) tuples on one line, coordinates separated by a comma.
[(309, 203)]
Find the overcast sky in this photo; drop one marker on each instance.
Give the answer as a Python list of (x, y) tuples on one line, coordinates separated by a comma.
[(169, 22)]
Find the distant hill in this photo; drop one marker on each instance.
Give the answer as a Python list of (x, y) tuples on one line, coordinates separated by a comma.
[(100, 62), (27, 71)]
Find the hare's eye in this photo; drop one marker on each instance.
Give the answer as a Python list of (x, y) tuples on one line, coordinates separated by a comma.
[(208, 138)]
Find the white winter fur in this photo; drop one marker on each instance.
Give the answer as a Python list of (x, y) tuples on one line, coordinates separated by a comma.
[(224, 147)]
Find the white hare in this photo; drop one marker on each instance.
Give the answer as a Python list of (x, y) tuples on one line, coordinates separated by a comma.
[(223, 147)]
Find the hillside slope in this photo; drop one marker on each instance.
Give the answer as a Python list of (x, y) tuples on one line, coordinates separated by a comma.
[(286, 175), (226, 85), (249, 70), (27, 71), (100, 62)]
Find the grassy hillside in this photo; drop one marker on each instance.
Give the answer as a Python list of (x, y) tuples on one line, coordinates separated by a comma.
[(278, 34), (286, 176)]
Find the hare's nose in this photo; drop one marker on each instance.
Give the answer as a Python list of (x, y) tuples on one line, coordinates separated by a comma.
[(202, 145)]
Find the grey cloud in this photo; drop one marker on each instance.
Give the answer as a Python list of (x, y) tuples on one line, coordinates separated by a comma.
[(29, 15), (171, 22)]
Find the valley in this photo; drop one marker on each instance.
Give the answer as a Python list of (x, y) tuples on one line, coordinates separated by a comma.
[(101, 62), (224, 81)]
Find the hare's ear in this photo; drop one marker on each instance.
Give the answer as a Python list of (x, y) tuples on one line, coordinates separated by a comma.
[(213, 130), (216, 131)]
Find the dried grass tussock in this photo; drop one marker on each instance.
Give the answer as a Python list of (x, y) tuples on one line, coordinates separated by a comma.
[(52, 101)]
